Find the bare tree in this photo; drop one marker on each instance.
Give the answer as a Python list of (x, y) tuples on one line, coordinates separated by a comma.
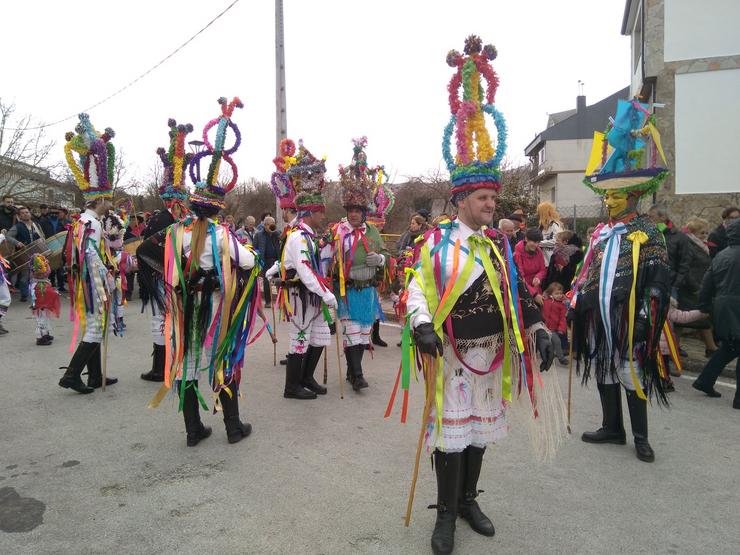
[(24, 149)]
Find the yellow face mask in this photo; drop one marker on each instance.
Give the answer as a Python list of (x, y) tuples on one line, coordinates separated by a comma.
[(617, 203)]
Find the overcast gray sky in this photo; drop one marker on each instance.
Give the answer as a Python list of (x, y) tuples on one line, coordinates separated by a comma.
[(353, 68)]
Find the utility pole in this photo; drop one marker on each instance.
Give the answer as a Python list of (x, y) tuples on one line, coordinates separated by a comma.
[(281, 115)]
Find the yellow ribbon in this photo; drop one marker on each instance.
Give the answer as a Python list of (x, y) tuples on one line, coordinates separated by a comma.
[(638, 238)]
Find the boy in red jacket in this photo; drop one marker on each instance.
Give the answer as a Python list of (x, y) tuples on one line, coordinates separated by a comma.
[(554, 310), (530, 261)]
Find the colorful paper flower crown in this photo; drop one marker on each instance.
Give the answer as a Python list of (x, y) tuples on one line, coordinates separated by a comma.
[(382, 200), (281, 184), (97, 158), (476, 161), (175, 161), (307, 176), (113, 226), (627, 153), (354, 180), (40, 267), (210, 192)]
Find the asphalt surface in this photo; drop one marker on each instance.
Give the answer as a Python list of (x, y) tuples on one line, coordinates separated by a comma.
[(102, 473)]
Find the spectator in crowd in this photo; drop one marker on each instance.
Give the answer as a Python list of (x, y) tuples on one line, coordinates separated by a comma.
[(697, 262), (550, 225), (676, 243), (520, 224), (137, 225), (424, 213), (267, 243), (36, 214), (717, 240), (246, 234), (554, 309), (23, 233), (565, 259), (530, 261), (51, 224), (7, 213), (230, 222), (720, 296), (261, 225), (417, 227), (508, 228)]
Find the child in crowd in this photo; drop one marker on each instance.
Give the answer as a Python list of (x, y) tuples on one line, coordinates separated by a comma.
[(44, 299), (554, 309), (530, 261), (565, 258)]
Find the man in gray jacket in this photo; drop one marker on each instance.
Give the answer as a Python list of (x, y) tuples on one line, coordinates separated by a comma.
[(720, 295)]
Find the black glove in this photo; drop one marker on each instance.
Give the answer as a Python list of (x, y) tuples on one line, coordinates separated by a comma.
[(544, 349), (427, 340), (333, 328)]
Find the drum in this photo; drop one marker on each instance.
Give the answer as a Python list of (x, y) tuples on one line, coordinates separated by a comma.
[(24, 257), (130, 245), (56, 249)]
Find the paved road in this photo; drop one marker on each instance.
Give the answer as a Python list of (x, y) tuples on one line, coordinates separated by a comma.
[(102, 473)]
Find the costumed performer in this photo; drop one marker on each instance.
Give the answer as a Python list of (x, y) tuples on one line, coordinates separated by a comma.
[(45, 301)]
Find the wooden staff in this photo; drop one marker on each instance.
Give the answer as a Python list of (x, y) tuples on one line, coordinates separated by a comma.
[(430, 377), (339, 359), (105, 353), (570, 374), (326, 367), (274, 327)]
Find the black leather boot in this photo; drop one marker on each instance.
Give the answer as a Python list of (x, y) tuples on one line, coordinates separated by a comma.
[(95, 371), (310, 361), (354, 363), (71, 378), (468, 507), (612, 427), (376, 335), (293, 376), (194, 428), (638, 419), (447, 467), (156, 374), (236, 430)]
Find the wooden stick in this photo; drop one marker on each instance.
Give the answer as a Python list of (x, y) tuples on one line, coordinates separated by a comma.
[(570, 373), (430, 379), (326, 367), (104, 354), (339, 360)]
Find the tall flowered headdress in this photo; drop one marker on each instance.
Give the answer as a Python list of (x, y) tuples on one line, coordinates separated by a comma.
[(40, 267), (307, 177), (281, 184), (354, 180), (476, 161), (382, 199), (97, 158), (210, 192), (113, 226), (627, 153), (175, 161)]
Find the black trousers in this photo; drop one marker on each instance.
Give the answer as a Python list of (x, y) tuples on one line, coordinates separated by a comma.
[(723, 356)]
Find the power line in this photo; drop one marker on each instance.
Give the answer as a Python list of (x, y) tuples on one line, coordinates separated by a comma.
[(139, 78)]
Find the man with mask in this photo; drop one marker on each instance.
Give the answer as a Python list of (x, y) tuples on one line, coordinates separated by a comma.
[(622, 292), (357, 261)]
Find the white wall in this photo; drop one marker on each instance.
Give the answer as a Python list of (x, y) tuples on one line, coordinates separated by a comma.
[(707, 124), (568, 154), (701, 29), (571, 190)]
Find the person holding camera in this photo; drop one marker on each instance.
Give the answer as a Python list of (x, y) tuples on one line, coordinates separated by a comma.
[(267, 243)]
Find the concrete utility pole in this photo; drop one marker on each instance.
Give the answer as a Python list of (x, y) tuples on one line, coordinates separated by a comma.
[(281, 115)]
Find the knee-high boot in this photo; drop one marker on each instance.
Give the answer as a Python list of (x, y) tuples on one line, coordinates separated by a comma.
[(354, 362), (447, 467), (71, 378), (236, 430), (468, 506), (293, 375), (638, 419), (612, 427), (156, 374), (310, 361), (191, 413), (376, 339), (95, 370)]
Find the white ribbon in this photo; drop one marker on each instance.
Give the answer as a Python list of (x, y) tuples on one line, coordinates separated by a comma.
[(612, 235)]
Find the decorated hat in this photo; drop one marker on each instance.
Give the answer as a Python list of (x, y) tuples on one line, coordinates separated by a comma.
[(211, 189), (382, 198), (113, 226), (40, 268), (355, 181), (96, 157), (307, 177), (175, 162), (475, 164), (627, 153), (281, 184)]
